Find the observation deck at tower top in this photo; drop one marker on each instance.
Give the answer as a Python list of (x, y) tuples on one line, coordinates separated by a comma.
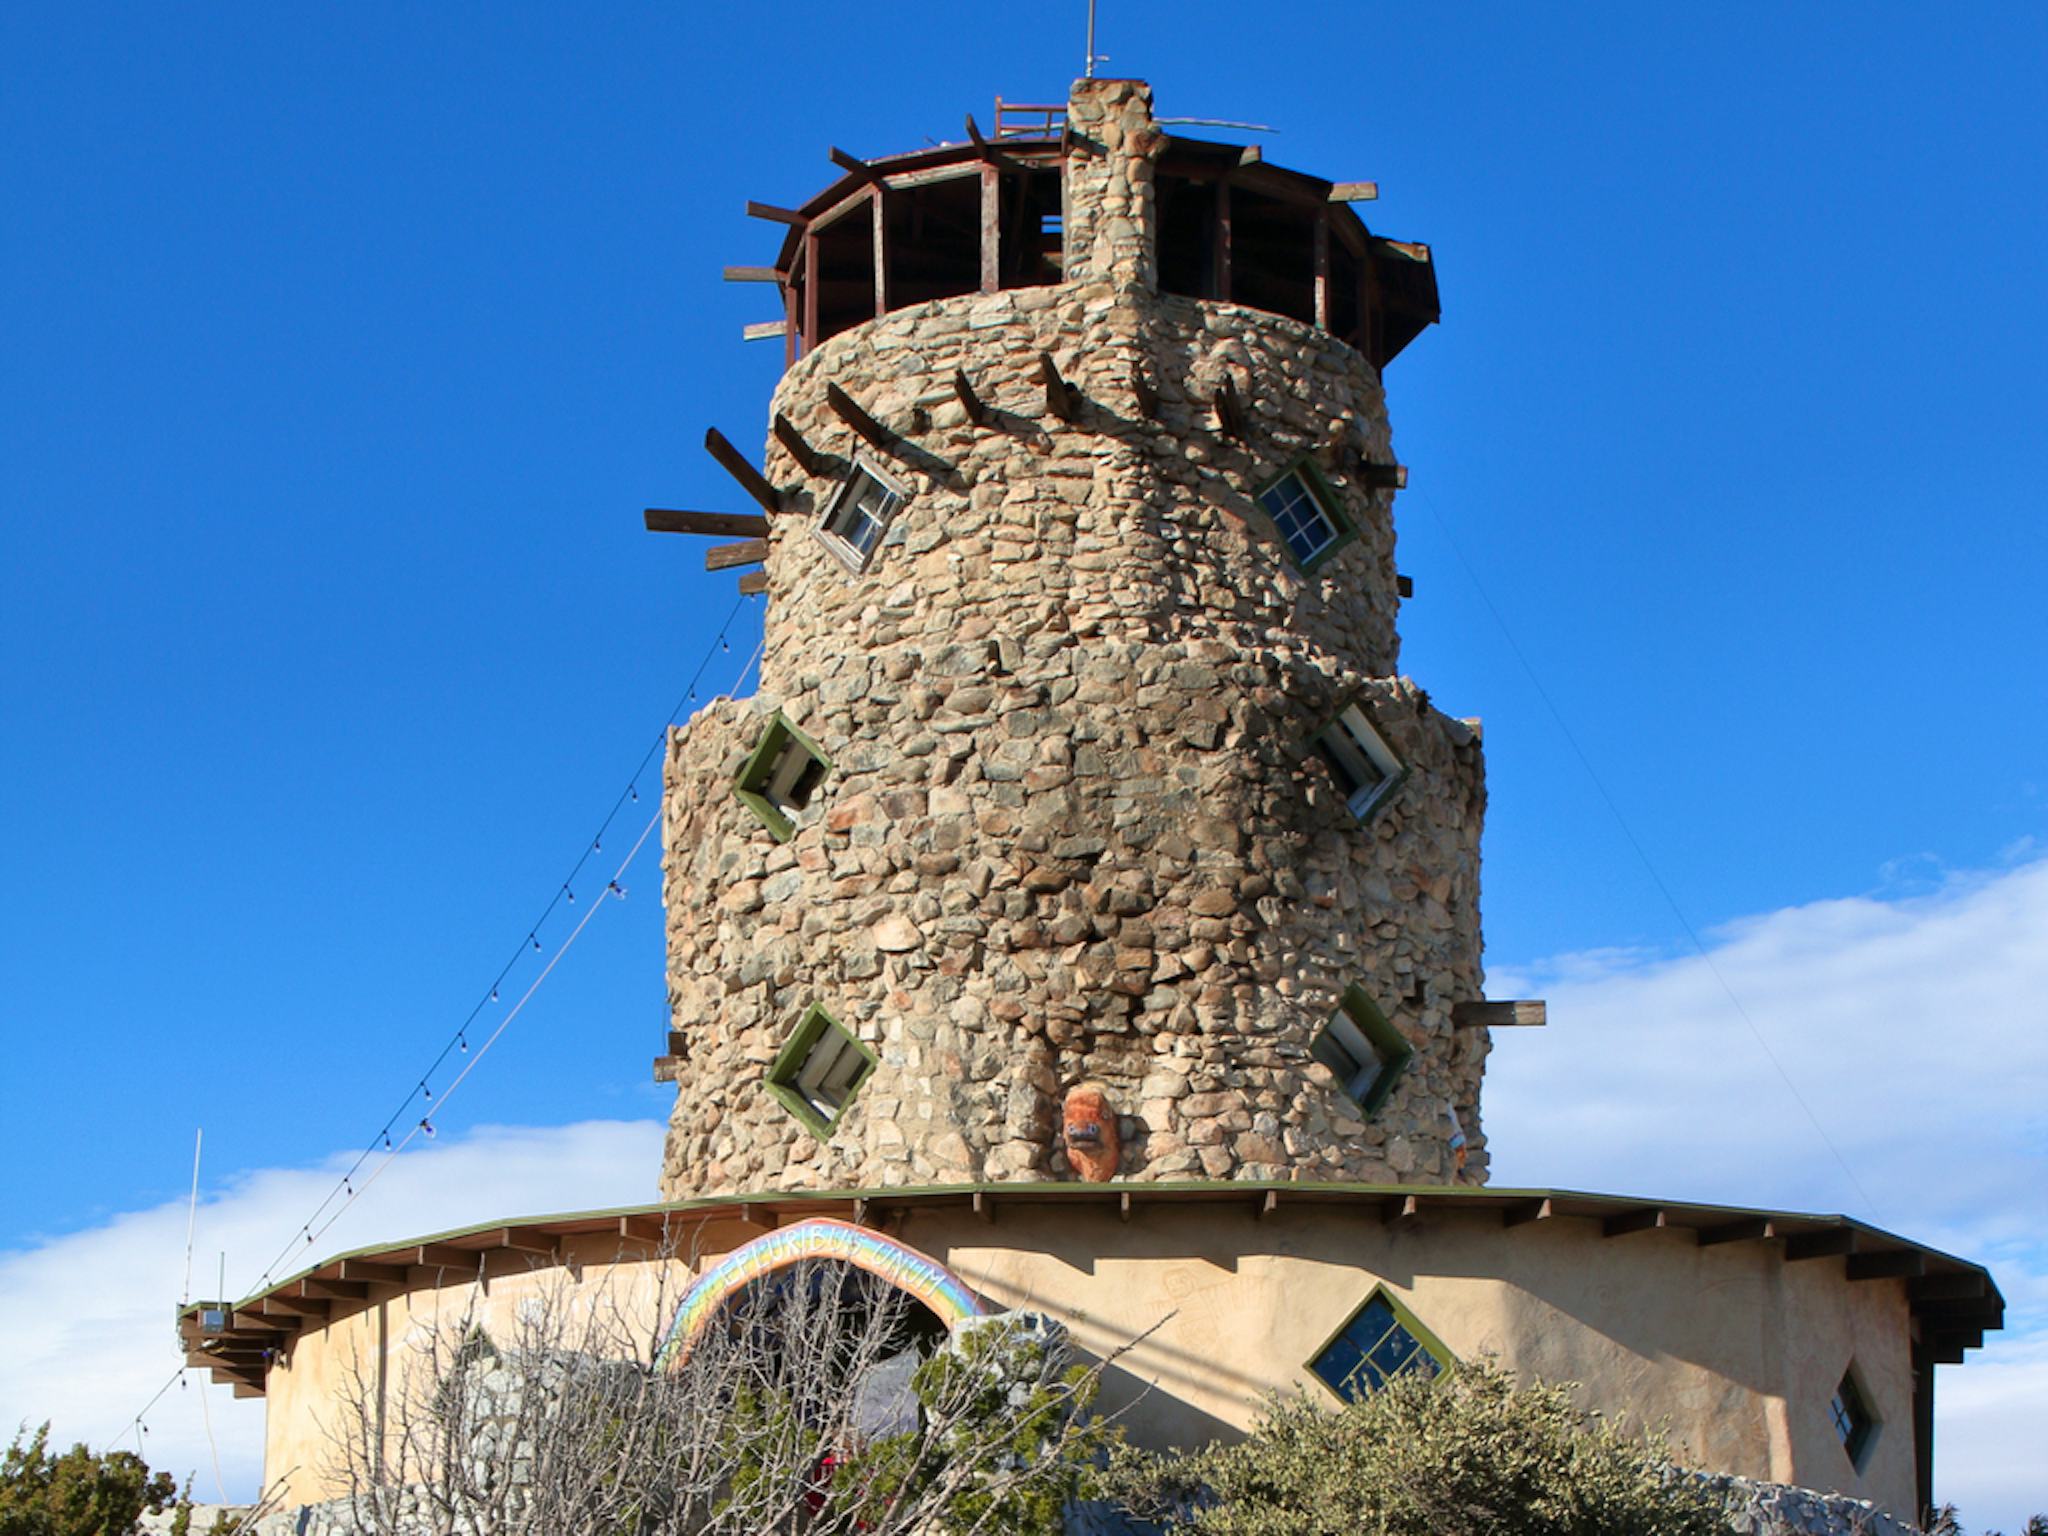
[(993, 213)]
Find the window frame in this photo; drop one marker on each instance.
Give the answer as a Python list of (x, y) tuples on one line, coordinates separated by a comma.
[(1416, 1329), (1326, 500), (788, 1065), (758, 773), (1392, 1048), (1394, 771), (843, 549), (1865, 1423)]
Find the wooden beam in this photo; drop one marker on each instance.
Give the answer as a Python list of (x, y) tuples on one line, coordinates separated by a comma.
[(277, 1302), (1899, 1264), (1265, 1204), (764, 330), (1748, 1230), (1146, 396), (1405, 585), (991, 228), (776, 215), (246, 1388), (1061, 398), (1382, 477), (1405, 1209), (1251, 154), (879, 230), (738, 525), (1485, 1014), (848, 410), (754, 1216), (970, 402), (794, 444), (853, 164), (1230, 409), (334, 1290), (753, 274), (1528, 1210), (666, 1068), (1949, 1285), (1820, 1245), (444, 1256), (523, 1240), (273, 1322), (1123, 1205), (1322, 271), (753, 583), (372, 1273), (751, 480), (984, 1205), (644, 1229), (1354, 191), (726, 557), (1648, 1219)]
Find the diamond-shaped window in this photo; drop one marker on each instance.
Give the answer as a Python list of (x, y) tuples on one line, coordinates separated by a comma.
[(1380, 1341), (1360, 763), (781, 776), (1853, 1419), (819, 1070), (1307, 515), (1363, 1049), (854, 524)]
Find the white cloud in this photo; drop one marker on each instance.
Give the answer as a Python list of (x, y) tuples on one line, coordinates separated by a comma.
[(1915, 1032), (86, 1331)]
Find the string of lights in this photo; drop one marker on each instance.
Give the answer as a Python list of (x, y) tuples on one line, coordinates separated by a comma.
[(350, 1186)]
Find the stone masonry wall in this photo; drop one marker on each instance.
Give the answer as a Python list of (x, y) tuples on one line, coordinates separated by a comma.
[(1070, 835)]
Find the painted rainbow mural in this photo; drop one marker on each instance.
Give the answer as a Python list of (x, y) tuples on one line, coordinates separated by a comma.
[(820, 1237)]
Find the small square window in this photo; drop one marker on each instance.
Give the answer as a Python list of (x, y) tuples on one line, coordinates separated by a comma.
[(1381, 1340), (853, 525), (1305, 513), (1365, 1052), (781, 777), (819, 1070), (1361, 764), (1853, 1420)]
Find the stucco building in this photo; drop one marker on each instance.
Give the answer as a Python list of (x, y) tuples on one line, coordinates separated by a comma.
[(1086, 906)]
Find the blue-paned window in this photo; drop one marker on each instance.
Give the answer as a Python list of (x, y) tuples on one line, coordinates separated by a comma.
[(1309, 531), (1378, 1344)]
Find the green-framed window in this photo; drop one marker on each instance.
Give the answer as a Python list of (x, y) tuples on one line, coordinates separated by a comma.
[(1360, 763), (855, 523), (1378, 1342), (781, 776), (1854, 1421), (818, 1070), (1307, 513), (1363, 1049)]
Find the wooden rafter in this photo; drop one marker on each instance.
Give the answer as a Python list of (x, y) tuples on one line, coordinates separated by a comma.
[(727, 557), (745, 525), (970, 402), (1487, 1014), (1230, 408), (735, 463), (806, 456), (753, 583), (848, 410), (1061, 398), (776, 215)]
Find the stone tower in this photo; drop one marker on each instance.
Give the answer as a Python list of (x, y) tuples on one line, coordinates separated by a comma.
[(1082, 824)]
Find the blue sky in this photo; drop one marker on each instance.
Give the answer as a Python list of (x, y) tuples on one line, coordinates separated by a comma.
[(342, 348)]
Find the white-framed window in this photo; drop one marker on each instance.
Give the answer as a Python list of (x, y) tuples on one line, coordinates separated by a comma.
[(818, 1070), (853, 526), (1304, 511), (1361, 764)]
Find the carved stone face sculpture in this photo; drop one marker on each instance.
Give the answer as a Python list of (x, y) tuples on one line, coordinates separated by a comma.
[(1090, 1134)]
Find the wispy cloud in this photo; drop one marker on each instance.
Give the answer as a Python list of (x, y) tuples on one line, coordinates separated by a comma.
[(86, 1332), (1909, 1088)]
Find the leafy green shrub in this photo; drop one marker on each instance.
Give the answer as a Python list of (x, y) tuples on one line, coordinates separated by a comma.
[(78, 1493), (1466, 1453)]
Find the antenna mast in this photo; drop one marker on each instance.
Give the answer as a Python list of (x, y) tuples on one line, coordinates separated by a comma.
[(1094, 58)]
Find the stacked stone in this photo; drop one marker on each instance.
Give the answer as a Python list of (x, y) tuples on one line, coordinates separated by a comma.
[(1072, 832)]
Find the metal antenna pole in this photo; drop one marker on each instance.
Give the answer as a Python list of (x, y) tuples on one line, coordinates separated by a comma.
[(1091, 40)]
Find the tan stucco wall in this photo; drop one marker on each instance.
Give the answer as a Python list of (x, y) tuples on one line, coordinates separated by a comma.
[(1736, 1350)]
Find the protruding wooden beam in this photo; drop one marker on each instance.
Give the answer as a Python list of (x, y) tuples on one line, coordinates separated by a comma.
[(754, 274), (667, 1068), (984, 1205), (726, 557), (274, 1322), (739, 525), (1952, 1285), (792, 440), (756, 1217), (333, 1290), (1382, 477), (776, 215), (1820, 1245), (1405, 1209), (1061, 398), (678, 1042), (278, 1302), (854, 165), (1265, 1204), (443, 1256), (372, 1273), (848, 410), (734, 463), (765, 330), (1146, 396), (1251, 154), (1405, 585), (970, 402), (1748, 1230), (644, 1229), (1528, 1210), (863, 1212), (753, 583), (1229, 408), (1648, 1219), (1485, 1014), (1899, 1264), (1123, 1205), (1354, 191), (519, 1240)]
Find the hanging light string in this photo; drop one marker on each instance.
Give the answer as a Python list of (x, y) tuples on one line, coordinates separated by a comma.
[(407, 1118)]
